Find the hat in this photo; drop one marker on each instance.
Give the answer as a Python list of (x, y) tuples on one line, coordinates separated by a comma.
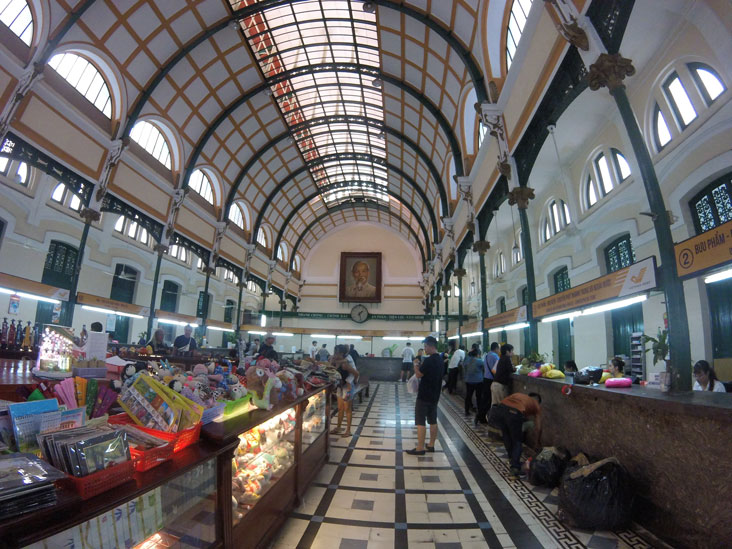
[(429, 340), (269, 336)]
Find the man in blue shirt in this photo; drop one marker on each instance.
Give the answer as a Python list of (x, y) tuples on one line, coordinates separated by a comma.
[(491, 359), (428, 395)]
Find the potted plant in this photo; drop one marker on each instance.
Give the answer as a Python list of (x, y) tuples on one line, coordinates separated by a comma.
[(659, 345)]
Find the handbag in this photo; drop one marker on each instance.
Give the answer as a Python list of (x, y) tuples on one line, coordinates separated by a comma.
[(413, 384)]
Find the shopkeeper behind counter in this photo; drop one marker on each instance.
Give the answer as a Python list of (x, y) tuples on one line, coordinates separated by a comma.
[(614, 369), (185, 343), (157, 343)]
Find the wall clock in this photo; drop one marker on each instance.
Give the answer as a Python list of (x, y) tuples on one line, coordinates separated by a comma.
[(359, 314)]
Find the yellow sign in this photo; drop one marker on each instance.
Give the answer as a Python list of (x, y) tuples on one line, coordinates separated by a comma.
[(705, 251), (117, 306), (504, 319), (637, 278)]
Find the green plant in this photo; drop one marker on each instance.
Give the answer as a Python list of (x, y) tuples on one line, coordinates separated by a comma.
[(536, 356), (659, 345)]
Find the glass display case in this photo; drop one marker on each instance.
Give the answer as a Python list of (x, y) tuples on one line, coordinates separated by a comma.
[(264, 454), (314, 419)]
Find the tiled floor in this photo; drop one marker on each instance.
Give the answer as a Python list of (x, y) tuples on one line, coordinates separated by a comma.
[(371, 494)]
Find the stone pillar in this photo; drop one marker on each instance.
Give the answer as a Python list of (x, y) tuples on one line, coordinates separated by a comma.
[(609, 71), (160, 249)]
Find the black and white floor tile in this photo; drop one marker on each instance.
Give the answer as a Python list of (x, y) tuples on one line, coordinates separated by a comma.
[(372, 495)]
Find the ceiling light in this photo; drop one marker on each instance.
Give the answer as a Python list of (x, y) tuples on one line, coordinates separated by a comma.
[(254, 332), (563, 316), (614, 305), (377, 82), (358, 338), (28, 296), (110, 311), (176, 322), (453, 337), (473, 334), (369, 7), (268, 92), (323, 336), (716, 277), (509, 328), (282, 334), (217, 329)]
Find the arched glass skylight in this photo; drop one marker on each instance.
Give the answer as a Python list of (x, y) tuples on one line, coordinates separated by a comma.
[(178, 252), (516, 22), (151, 139), (282, 252), (296, 263), (663, 134), (679, 100), (17, 16), (261, 238), (235, 216), (65, 197), (85, 77), (200, 183)]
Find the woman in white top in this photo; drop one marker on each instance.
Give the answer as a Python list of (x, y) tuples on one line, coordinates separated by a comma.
[(346, 388), (706, 379)]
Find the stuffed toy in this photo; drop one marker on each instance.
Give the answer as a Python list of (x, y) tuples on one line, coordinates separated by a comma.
[(238, 391), (199, 369), (289, 384)]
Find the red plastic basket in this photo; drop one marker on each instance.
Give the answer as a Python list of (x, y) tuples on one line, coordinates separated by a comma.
[(101, 481), (147, 459), (181, 439)]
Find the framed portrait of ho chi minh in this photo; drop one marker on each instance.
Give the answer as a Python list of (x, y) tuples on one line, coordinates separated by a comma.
[(360, 278)]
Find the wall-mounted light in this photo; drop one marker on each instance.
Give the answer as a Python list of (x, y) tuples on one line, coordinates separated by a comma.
[(217, 329), (109, 311), (263, 321), (282, 334), (509, 327), (323, 336), (716, 277), (176, 322), (29, 296)]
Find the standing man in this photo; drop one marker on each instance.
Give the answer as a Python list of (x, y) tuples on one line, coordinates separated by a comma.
[(407, 358), (353, 353), (323, 353), (490, 360), (501, 386), (456, 359), (510, 416), (314, 350), (428, 395)]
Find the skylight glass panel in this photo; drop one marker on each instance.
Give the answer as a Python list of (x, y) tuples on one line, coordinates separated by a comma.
[(623, 166), (16, 15), (85, 77), (151, 139)]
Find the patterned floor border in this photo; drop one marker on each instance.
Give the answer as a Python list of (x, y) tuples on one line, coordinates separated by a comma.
[(564, 536)]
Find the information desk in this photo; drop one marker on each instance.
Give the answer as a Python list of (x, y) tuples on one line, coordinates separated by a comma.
[(187, 501), (675, 446)]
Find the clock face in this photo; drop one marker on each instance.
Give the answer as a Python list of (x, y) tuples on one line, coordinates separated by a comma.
[(359, 314)]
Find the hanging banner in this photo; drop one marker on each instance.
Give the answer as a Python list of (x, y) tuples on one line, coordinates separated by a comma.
[(504, 319), (703, 252), (637, 278)]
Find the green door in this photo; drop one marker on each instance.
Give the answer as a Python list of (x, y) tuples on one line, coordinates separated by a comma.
[(57, 271), (564, 342), (720, 309), (123, 289), (626, 321)]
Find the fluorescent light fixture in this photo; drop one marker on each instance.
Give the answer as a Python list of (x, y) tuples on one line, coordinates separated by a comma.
[(28, 296), (509, 327), (614, 305), (395, 338), (263, 321), (716, 277), (109, 311), (323, 336), (254, 332), (453, 337), (437, 325), (473, 334), (563, 316), (176, 322), (351, 337), (282, 334), (217, 329)]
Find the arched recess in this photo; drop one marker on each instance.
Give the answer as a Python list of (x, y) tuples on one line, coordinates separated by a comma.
[(470, 122), (287, 134), (172, 139), (308, 198), (349, 205), (305, 168)]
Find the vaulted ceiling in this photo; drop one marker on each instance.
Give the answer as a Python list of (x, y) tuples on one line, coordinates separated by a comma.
[(314, 113)]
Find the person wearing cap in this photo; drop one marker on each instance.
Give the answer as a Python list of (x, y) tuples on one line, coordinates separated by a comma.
[(428, 395), (267, 348)]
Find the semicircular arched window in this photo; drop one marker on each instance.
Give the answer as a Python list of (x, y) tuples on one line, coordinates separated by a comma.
[(235, 216), (282, 252), (201, 184), (150, 138), (261, 237), (556, 219), (516, 22), (85, 78), (607, 170), (296, 263), (17, 16), (15, 170)]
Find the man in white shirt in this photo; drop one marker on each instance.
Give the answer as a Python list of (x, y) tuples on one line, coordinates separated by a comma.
[(314, 350), (456, 359), (407, 359)]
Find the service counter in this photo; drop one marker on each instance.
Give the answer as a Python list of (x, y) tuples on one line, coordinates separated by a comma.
[(676, 447), (378, 368)]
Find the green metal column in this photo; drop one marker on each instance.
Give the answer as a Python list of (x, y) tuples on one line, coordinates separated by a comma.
[(159, 249), (206, 304), (530, 277), (609, 71), (482, 247), (460, 273), (71, 305), (447, 314), (238, 308)]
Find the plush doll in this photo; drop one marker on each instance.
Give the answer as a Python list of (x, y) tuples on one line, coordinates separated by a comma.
[(193, 394), (289, 383), (199, 369), (238, 391), (176, 384), (260, 388)]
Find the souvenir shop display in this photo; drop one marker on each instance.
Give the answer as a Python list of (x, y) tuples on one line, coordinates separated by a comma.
[(313, 420), (26, 484)]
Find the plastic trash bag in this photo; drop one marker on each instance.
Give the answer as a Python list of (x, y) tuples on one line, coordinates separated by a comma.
[(413, 384), (547, 467), (590, 374), (597, 496)]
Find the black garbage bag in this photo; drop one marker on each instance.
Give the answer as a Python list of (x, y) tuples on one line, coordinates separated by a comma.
[(547, 467), (590, 374), (598, 496)]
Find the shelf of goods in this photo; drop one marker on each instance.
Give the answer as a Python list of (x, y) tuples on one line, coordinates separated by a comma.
[(637, 355), (234, 488)]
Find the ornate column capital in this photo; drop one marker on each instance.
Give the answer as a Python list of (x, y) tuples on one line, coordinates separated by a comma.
[(209, 270), (160, 248), (465, 188), (520, 196), (438, 297), (89, 215), (459, 272), (241, 284), (481, 246), (609, 71), (568, 23)]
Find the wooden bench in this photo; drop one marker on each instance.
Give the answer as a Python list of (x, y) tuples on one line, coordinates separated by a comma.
[(362, 388)]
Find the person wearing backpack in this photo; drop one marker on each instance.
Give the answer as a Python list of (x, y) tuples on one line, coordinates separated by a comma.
[(323, 354), (473, 367)]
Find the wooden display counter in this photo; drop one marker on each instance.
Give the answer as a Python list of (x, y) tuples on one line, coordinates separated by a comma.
[(675, 447)]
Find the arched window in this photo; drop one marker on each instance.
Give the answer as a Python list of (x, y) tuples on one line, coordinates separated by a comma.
[(556, 218), (86, 78), (200, 183), (131, 229), (296, 263), (236, 217), (516, 22), (200, 265), (150, 138), (261, 237), (517, 252), (282, 252), (228, 275), (561, 280), (178, 252), (229, 309), (17, 171), (681, 97), (608, 169), (500, 266), (16, 15), (252, 287), (619, 254), (65, 197), (713, 206)]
